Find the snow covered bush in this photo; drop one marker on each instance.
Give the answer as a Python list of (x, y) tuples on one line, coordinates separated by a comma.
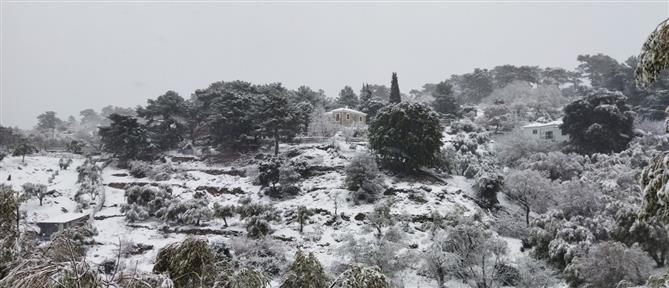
[(515, 146), (35, 190), (362, 177), (558, 240), (257, 218), (157, 172), (558, 165), (188, 263), (535, 273), (143, 202), (470, 252), (190, 212), (579, 198), (488, 183), (139, 169), (359, 276), (264, 255), (608, 263), (64, 163), (305, 272), (406, 136), (648, 233), (89, 172)]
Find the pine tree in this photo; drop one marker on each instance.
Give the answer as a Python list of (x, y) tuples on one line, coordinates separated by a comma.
[(406, 136), (305, 272), (347, 97), (369, 104), (444, 100), (126, 138), (165, 119), (278, 115), (395, 96)]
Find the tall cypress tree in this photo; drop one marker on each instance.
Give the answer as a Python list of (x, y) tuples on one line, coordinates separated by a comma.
[(395, 90)]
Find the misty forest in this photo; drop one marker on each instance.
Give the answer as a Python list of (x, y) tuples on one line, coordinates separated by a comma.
[(506, 176)]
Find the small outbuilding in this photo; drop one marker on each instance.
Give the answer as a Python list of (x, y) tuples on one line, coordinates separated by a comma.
[(61, 222), (347, 116), (546, 131)]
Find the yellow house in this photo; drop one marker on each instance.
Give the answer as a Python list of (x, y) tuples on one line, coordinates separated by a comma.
[(347, 117)]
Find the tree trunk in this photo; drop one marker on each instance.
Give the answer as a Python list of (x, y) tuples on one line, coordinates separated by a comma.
[(225, 221), (301, 226), (40, 200), (276, 142), (527, 215)]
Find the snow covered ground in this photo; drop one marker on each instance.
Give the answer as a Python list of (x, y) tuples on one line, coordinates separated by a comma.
[(318, 192)]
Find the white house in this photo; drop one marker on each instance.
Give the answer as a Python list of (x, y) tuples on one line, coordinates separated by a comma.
[(547, 131), (347, 116)]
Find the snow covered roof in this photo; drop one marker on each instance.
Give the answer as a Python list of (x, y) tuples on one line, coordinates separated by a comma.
[(537, 124), (347, 110), (61, 218)]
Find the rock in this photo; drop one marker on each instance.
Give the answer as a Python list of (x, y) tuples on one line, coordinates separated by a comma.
[(120, 174), (344, 217), (413, 246), (360, 216)]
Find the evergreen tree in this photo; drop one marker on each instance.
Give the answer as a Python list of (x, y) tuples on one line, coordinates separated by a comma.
[(277, 114), (23, 148), (347, 98), (305, 272), (165, 119), (231, 110), (126, 138), (406, 136), (444, 99), (48, 121), (395, 96), (602, 122), (369, 104)]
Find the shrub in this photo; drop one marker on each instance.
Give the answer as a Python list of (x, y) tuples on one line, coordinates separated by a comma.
[(488, 183), (189, 212), (188, 263), (305, 272), (607, 264), (362, 177), (146, 201), (406, 136), (361, 277), (264, 255)]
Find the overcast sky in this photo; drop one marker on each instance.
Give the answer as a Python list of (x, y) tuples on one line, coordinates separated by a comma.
[(67, 57)]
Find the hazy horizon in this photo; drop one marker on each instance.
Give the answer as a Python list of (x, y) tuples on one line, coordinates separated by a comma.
[(67, 57)]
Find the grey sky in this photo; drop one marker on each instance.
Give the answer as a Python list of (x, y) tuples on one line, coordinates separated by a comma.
[(67, 57)]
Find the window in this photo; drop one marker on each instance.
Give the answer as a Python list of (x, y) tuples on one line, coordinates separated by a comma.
[(360, 118), (549, 134), (348, 116), (563, 133), (337, 117), (535, 131)]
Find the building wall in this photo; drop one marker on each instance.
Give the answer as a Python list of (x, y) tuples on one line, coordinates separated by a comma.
[(544, 131), (348, 119)]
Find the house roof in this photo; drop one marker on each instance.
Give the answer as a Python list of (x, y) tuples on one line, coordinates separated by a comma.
[(347, 110), (61, 218), (537, 124)]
